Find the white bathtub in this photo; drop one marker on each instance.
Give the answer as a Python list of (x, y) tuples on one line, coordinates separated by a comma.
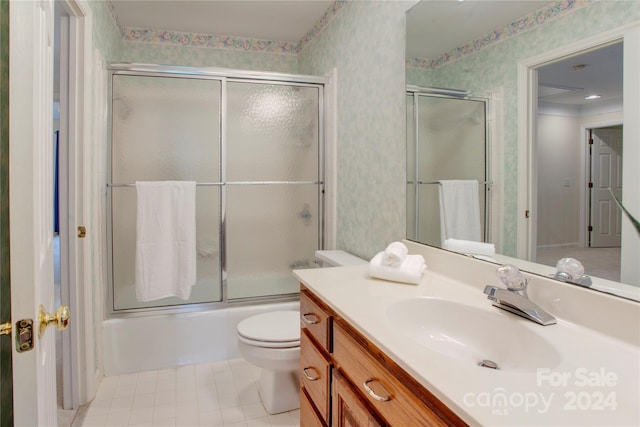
[(168, 340)]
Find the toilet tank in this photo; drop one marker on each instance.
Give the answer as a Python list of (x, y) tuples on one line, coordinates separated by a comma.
[(337, 259)]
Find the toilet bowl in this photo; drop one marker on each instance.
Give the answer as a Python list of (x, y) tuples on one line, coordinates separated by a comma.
[(271, 341)]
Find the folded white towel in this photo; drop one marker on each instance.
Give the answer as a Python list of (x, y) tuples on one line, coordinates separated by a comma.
[(410, 271), (395, 253), (470, 247), (165, 239)]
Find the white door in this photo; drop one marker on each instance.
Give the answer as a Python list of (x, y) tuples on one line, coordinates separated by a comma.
[(31, 205), (606, 172)]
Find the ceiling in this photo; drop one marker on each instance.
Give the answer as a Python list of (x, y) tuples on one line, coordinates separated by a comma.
[(598, 72), (445, 24), (460, 21)]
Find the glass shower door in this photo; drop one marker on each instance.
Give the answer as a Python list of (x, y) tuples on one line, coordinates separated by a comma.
[(446, 139), (165, 129), (273, 191)]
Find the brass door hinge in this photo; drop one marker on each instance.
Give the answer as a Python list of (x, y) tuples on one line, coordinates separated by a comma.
[(82, 231)]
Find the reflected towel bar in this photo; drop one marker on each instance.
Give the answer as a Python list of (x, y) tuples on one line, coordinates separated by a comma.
[(220, 184), (438, 182)]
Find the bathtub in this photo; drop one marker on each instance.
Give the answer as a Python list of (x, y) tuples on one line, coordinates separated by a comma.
[(165, 341)]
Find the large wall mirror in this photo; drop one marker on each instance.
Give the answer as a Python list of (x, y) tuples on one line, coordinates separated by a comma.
[(561, 140)]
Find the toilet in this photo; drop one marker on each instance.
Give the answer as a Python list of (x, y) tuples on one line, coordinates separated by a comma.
[(271, 341)]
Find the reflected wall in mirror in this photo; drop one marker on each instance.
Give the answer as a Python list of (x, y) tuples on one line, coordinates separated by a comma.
[(496, 47)]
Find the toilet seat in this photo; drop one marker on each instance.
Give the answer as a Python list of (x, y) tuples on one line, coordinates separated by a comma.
[(276, 329)]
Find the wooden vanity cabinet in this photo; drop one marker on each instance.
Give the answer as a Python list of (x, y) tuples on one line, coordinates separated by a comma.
[(347, 381), (348, 407)]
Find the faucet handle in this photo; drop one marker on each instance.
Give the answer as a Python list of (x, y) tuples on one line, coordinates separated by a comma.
[(510, 276)]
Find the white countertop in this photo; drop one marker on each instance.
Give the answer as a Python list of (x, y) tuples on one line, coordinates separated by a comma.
[(482, 396)]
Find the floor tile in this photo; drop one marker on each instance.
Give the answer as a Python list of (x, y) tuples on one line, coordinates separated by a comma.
[(206, 394)]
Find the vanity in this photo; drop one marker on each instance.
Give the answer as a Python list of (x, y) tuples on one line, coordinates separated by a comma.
[(438, 353)]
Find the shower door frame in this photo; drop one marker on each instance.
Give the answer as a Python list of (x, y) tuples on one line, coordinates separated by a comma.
[(222, 75), (455, 94)]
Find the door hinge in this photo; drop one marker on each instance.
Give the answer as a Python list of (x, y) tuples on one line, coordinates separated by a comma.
[(591, 185), (82, 231), (590, 228), (526, 213), (590, 141)]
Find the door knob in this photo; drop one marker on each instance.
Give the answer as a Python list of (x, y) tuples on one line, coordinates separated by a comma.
[(60, 318)]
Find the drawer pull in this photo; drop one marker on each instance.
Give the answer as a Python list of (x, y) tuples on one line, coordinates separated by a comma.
[(373, 393), (309, 377), (310, 321)]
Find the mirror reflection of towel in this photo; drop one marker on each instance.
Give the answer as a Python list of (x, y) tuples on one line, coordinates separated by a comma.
[(165, 239), (459, 210)]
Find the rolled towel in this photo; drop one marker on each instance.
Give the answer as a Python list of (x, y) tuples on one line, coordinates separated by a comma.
[(470, 247), (410, 271), (395, 253)]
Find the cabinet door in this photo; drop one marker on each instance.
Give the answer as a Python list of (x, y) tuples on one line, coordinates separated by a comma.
[(308, 416), (348, 408)]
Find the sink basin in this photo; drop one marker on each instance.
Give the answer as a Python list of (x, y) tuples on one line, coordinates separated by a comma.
[(473, 335)]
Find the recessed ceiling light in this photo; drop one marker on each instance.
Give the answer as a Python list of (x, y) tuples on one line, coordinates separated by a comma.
[(592, 97)]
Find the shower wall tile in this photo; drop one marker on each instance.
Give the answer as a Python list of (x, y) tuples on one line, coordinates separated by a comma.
[(496, 66)]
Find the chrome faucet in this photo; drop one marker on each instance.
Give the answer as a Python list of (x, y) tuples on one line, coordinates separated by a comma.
[(514, 299), (570, 270)]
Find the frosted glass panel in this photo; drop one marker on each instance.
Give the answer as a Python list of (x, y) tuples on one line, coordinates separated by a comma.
[(272, 132), (165, 129), (451, 136), (207, 287), (271, 229), (451, 144)]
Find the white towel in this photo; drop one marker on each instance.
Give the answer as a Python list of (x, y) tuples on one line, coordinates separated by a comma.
[(459, 210), (395, 253), (410, 271), (165, 239), (470, 247)]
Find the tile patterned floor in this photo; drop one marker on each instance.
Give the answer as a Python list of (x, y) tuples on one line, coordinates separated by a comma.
[(212, 394)]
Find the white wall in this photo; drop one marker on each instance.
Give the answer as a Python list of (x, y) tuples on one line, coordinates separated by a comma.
[(563, 169), (558, 149)]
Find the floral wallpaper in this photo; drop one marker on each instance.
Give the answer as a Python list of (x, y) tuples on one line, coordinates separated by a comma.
[(496, 66), (365, 42), (371, 85)]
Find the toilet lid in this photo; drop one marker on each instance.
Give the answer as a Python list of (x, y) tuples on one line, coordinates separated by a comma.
[(275, 326)]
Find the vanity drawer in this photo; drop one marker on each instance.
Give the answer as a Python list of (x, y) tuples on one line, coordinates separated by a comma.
[(315, 320), (383, 390), (314, 375)]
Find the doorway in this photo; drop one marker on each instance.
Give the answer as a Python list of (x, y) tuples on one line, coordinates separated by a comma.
[(605, 152), (579, 95)]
